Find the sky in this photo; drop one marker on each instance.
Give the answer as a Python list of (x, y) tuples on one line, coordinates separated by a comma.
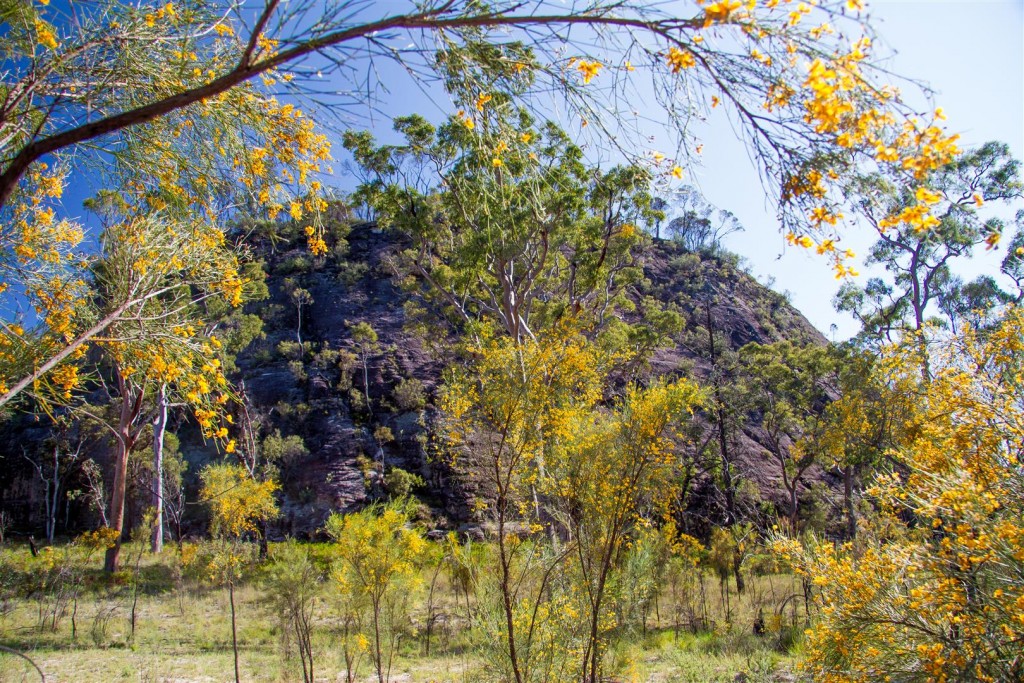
[(971, 52)]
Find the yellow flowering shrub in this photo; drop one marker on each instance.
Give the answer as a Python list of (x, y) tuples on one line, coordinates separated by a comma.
[(379, 555), (933, 589), (238, 503)]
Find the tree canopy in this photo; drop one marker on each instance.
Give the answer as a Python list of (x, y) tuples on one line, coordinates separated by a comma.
[(180, 97)]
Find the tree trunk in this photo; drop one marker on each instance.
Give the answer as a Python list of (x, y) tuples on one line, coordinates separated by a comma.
[(506, 590), (51, 509), (234, 628), (112, 560), (851, 512), (793, 509), (131, 407), (737, 562), (159, 427), (378, 656)]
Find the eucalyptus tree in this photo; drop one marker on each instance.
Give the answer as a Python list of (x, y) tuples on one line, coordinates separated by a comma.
[(923, 231), (508, 224), (790, 388)]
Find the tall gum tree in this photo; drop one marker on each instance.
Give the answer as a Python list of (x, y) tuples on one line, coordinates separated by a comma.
[(923, 230)]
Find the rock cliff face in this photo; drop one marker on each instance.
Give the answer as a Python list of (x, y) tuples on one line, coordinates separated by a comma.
[(323, 399), (305, 377)]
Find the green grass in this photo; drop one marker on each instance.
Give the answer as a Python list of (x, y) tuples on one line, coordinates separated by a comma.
[(183, 635)]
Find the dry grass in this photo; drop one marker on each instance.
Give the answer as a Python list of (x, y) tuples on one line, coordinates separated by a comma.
[(183, 635)]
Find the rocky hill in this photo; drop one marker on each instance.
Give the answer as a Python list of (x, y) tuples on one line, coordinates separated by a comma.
[(322, 401), (303, 380)]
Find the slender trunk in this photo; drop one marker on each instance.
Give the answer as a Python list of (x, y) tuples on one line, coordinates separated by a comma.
[(737, 562), (430, 607), (793, 509), (595, 634), (131, 407), (264, 542), (159, 428), (366, 382), (851, 512), (51, 510), (723, 433), (378, 657), (135, 597), (46, 506), (112, 560), (506, 592), (234, 628)]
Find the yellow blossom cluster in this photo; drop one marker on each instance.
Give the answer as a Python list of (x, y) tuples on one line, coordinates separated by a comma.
[(588, 69), (45, 35), (723, 11), (680, 59)]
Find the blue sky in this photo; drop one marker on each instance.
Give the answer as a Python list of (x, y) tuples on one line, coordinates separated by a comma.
[(971, 52)]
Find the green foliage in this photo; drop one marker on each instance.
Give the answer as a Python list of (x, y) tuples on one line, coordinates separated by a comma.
[(409, 394), (292, 350), (919, 258), (694, 223), (293, 584), (516, 230), (789, 387), (296, 264), (284, 451), (399, 484)]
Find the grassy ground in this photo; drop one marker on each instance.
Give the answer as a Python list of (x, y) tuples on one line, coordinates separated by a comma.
[(182, 634)]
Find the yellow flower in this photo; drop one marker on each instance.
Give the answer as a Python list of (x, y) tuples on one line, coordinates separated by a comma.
[(718, 12), (526, 137), (45, 35), (465, 119), (677, 173), (588, 69), (679, 59), (481, 100), (495, 162)]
